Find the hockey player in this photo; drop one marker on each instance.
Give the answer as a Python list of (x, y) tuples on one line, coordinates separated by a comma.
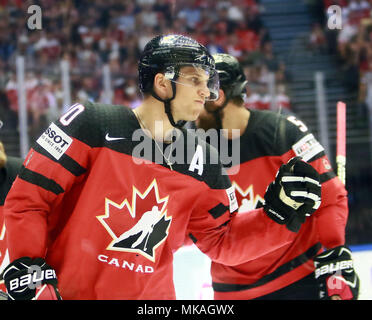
[(9, 167), (76, 211), (300, 269)]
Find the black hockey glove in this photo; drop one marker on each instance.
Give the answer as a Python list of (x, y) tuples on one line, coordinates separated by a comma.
[(294, 194), (334, 271), (30, 279)]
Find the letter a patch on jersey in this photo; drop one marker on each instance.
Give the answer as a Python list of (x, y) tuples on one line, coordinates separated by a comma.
[(140, 226)]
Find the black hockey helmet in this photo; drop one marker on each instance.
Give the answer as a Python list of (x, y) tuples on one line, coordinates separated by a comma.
[(167, 54), (231, 75), (232, 81)]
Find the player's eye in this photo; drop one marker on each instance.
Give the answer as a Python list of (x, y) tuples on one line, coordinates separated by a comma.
[(195, 81)]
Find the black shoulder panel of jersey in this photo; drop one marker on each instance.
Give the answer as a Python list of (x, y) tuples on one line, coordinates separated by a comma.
[(116, 127), (268, 134), (7, 175), (91, 126), (96, 121)]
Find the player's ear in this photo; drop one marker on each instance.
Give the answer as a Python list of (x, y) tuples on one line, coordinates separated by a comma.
[(221, 98), (162, 86)]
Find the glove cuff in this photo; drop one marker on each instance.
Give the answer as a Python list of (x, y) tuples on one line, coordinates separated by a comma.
[(335, 274)]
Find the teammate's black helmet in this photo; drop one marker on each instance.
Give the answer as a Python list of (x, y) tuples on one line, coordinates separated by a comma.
[(231, 75), (167, 53)]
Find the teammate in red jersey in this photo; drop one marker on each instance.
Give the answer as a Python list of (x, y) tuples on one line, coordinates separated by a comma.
[(267, 140), (106, 194), (9, 167)]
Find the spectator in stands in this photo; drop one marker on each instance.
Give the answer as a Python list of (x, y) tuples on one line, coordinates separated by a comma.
[(191, 14), (132, 94), (252, 99), (365, 93), (345, 35), (147, 17), (351, 64), (282, 100), (272, 63), (357, 9), (146, 35), (42, 104), (233, 46), (248, 38), (164, 11), (88, 90), (269, 58), (235, 12), (252, 18), (212, 44), (90, 34), (317, 39), (126, 93), (125, 20)]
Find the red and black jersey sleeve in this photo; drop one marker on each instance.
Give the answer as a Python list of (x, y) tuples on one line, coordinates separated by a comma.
[(58, 159), (232, 239), (221, 234)]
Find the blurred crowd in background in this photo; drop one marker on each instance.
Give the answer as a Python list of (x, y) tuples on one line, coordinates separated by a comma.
[(91, 34), (351, 45)]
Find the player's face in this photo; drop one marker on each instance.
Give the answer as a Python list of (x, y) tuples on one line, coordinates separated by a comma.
[(192, 91)]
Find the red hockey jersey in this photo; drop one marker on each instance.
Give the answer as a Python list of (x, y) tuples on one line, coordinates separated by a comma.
[(96, 199), (269, 141)]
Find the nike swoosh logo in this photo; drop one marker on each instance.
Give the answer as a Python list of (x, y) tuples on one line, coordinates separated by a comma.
[(108, 138)]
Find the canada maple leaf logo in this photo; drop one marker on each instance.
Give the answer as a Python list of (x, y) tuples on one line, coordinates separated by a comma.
[(247, 200), (140, 225)]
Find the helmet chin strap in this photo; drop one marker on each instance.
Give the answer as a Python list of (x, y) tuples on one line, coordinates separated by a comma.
[(167, 107)]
